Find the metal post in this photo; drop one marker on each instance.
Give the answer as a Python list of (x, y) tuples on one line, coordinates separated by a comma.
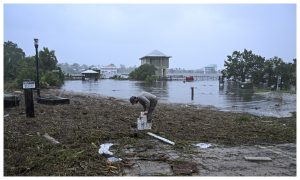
[(37, 67), (192, 93)]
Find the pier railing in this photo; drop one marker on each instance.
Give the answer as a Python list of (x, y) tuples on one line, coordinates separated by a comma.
[(196, 77)]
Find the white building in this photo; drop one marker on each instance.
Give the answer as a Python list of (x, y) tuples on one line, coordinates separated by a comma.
[(210, 69), (108, 71)]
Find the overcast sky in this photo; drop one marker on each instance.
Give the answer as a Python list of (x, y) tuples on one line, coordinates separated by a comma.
[(194, 35)]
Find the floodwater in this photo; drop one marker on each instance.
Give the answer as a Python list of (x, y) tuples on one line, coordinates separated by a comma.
[(206, 93)]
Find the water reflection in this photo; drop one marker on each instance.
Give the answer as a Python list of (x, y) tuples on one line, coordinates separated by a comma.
[(91, 85), (236, 94), (159, 88)]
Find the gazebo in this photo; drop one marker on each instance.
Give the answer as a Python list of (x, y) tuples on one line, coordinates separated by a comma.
[(159, 60), (90, 75)]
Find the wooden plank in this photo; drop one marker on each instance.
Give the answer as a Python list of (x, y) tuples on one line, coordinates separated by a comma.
[(161, 138), (248, 158)]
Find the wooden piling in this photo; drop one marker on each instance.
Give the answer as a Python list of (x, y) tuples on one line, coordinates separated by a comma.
[(29, 102), (192, 93)]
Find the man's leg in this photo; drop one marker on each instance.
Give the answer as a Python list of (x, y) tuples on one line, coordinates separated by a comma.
[(151, 109)]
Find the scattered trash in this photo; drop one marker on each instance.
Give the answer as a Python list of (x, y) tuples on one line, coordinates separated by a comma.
[(104, 149), (161, 138), (257, 158), (266, 121), (113, 159), (51, 139), (6, 115), (202, 145), (94, 145)]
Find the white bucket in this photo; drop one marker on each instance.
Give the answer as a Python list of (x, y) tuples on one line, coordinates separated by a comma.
[(142, 122)]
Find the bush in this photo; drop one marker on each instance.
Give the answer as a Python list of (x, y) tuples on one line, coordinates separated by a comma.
[(143, 72), (150, 79), (51, 79)]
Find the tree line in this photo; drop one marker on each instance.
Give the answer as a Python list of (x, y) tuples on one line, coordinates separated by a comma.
[(18, 67), (245, 65)]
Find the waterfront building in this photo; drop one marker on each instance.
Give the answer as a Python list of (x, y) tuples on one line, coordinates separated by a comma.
[(90, 75), (159, 60), (210, 69), (108, 71)]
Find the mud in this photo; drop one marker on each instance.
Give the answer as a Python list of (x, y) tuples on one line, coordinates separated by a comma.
[(90, 120)]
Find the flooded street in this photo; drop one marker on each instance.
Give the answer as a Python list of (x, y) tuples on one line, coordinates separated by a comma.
[(206, 93)]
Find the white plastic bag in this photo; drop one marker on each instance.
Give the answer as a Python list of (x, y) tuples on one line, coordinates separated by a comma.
[(104, 149)]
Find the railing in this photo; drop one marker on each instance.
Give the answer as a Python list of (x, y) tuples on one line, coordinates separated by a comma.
[(196, 76)]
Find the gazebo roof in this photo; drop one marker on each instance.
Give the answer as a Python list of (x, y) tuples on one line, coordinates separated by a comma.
[(156, 53), (89, 72)]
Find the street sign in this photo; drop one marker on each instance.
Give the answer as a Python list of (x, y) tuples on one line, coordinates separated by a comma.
[(28, 84)]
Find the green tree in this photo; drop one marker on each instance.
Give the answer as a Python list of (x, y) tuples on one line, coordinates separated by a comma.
[(272, 69), (51, 74), (47, 60), (276, 68), (12, 55), (26, 70), (244, 65), (17, 67), (145, 71), (256, 69), (294, 72)]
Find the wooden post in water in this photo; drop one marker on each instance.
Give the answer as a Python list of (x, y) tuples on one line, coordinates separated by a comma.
[(192, 93)]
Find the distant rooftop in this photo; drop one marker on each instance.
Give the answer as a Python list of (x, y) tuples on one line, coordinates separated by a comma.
[(89, 72), (212, 65), (156, 53), (109, 66)]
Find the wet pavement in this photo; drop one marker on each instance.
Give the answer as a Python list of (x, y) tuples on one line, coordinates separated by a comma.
[(214, 161)]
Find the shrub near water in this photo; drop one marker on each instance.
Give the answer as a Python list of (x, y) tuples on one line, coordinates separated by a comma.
[(143, 73), (52, 79)]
